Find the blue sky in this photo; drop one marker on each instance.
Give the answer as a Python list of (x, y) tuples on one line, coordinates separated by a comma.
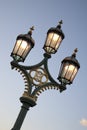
[(54, 110)]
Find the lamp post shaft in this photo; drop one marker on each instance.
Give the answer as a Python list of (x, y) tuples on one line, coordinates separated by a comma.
[(27, 103), (21, 116)]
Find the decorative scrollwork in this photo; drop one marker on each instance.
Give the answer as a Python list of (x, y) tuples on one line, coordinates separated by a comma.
[(38, 76)]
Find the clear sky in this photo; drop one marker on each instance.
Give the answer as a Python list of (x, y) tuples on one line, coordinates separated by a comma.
[(54, 110)]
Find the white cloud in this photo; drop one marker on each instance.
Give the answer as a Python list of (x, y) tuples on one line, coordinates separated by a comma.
[(83, 122)]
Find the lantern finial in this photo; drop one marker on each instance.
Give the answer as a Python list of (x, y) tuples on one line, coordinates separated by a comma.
[(60, 23), (31, 29), (74, 53)]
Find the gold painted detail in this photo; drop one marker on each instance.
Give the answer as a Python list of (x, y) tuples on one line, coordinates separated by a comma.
[(38, 76)]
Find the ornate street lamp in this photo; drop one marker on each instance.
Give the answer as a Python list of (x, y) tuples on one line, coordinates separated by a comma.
[(37, 77)]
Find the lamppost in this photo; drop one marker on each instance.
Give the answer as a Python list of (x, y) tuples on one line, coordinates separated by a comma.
[(37, 77)]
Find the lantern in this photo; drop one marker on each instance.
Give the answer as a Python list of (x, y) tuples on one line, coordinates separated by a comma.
[(24, 43), (69, 68), (53, 39)]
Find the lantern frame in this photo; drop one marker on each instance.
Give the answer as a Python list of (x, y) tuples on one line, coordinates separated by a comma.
[(69, 68), (54, 38), (24, 43)]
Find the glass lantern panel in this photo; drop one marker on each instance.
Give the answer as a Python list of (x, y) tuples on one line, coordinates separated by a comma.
[(69, 72), (58, 43), (74, 73), (47, 46), (26, 51), (49, 38), (17, 46), (22, 47), (54, 40), (64, 70), (52, 43)]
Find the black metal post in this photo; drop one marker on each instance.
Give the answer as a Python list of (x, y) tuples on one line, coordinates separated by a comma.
[(27, 103)]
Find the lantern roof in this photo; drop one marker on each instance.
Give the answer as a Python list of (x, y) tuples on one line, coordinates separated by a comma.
[(27, 37), (57, 29), (72, 59)]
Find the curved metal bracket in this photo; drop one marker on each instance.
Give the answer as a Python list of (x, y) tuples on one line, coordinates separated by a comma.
[(37, 78)]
